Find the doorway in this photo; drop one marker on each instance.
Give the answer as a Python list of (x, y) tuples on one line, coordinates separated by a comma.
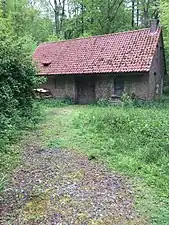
[(118, 86), (85, 90)]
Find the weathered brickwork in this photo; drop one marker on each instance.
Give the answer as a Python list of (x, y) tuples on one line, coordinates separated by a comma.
[(104, 86), (60, 86), (140, 85), (157, 73), (136, 84)]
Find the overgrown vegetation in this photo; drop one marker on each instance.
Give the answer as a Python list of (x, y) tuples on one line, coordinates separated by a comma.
[(132, 140), (17, 82), (56, 102)]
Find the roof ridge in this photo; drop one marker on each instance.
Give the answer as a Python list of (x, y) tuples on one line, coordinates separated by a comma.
[(95, 36)]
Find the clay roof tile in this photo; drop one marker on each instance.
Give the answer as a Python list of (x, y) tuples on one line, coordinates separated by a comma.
[(131, 51)]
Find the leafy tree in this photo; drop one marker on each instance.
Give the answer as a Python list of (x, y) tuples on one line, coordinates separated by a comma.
[(96, 17), (27, 19), (164, 16), (44, 20)]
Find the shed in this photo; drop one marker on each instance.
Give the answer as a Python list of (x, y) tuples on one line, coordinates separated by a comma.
[(99, 67)]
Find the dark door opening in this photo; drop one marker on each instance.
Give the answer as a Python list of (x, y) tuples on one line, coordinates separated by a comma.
[(118, 86), (85, 88)]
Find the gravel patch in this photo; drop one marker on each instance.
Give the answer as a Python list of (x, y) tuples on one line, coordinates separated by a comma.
[(54, 186)]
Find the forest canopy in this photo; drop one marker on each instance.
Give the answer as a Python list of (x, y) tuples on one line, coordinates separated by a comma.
[(64, 19), (38, 21)]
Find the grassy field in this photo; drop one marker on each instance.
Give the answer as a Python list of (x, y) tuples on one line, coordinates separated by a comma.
[(133, 141)]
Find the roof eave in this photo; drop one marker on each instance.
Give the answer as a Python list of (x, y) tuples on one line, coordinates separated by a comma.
[(95, 73)]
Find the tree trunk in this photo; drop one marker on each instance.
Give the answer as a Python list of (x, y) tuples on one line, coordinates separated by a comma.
[(138, 12), (146, 13), (133, 8), (56, 16), (82, 13), (92, 18), (62, 14), (155, 14)]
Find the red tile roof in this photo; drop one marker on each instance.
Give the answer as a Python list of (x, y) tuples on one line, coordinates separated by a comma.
[(130, 51)]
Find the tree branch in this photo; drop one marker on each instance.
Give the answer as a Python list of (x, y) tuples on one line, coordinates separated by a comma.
[(52, 6), (115, 14)]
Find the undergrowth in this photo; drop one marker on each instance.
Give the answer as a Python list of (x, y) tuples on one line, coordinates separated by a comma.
[(10, 142), (51, 102), (134, 141), (130, 139), (17, 83)]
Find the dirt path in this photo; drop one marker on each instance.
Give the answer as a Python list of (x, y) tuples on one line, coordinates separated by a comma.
[(54, 186)]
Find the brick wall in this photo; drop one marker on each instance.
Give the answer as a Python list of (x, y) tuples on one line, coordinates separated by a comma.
[(104, 86), (135, 83), (157, 73), (60, 86)]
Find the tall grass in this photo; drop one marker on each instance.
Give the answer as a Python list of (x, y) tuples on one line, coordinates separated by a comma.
[(132, 140)]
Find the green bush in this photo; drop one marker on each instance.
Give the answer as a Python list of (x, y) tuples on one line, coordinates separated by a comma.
[(17, 81), (52, 102), (104, 102)]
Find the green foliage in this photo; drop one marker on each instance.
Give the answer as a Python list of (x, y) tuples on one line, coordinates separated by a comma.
[(28, 43), (164, 9), (131, 140), (104, 102), (126, 100), (54, 38), (93, 17), (28, 21), (17, 83), (134, 140), (56, 102)]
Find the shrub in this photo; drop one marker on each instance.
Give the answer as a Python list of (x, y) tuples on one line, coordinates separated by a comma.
[(52, 102), (126, 100), (104, 102), (17, 82)]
